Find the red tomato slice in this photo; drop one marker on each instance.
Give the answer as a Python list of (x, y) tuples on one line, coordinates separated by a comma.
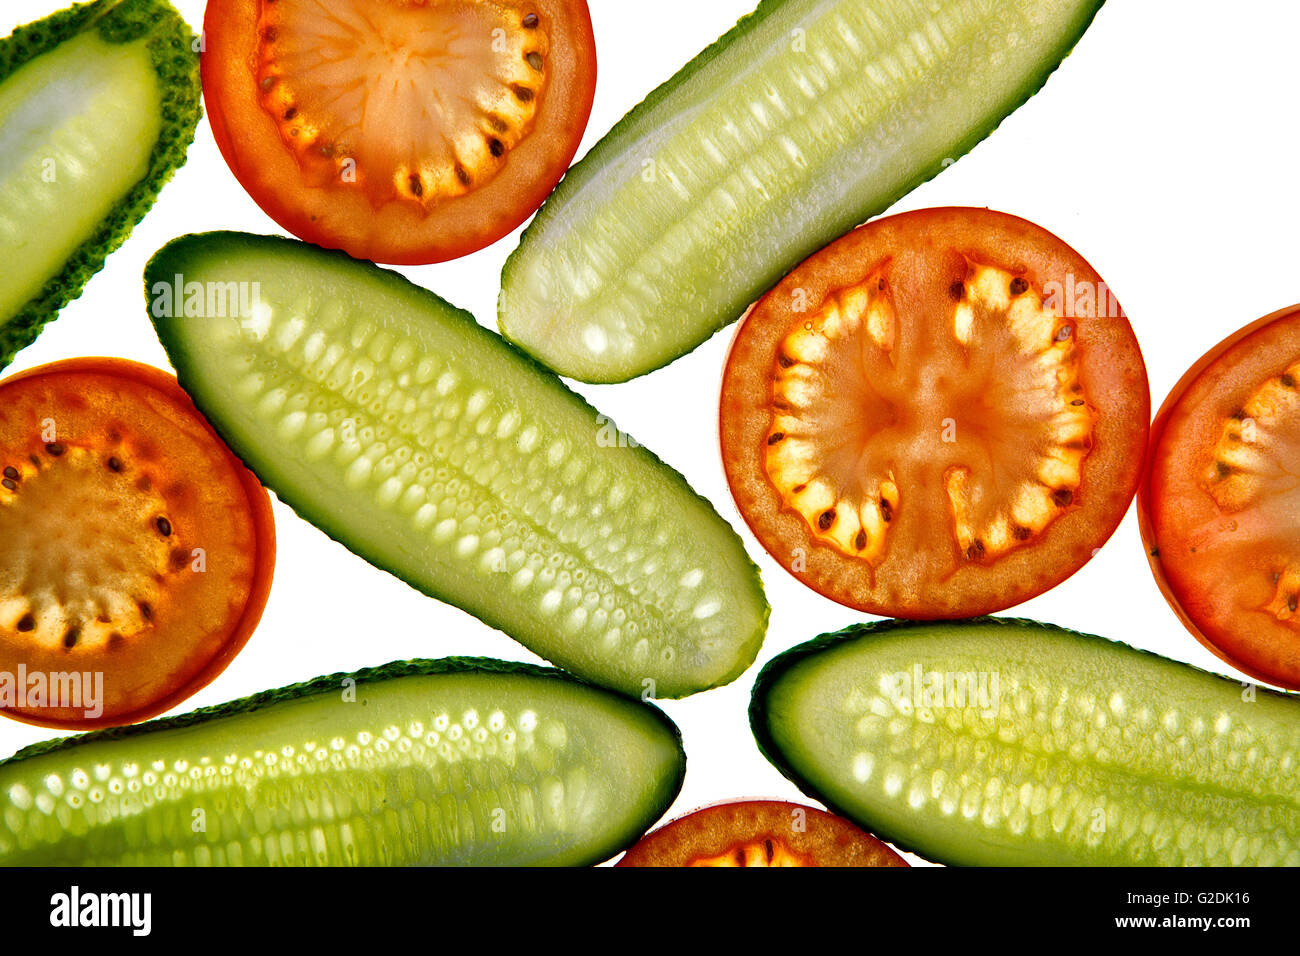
[(940, 415), (137, 547), (403, 131), (760, 833), (1219, 507)]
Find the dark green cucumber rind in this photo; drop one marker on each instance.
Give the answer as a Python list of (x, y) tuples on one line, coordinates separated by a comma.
[(173, 258), (783, 663), (330, 684), (839, 222), (171, 46)]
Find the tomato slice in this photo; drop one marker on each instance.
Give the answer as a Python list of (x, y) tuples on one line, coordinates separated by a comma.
[(760, 833), (940, 415), (1219, 508), (137, 549), (403, 131)]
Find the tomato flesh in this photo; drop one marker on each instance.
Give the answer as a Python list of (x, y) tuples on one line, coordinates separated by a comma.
[(760, 833), (404, 131), (1218, 507), (930, 419), (136, 545)]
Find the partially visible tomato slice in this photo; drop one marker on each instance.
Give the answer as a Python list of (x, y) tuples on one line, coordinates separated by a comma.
[(403, 131), (760, 833), (135, 548), (1219, 508), (942, 414)]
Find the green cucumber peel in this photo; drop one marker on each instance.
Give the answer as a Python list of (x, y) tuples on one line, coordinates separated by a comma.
[(78, 176), (433, 449), (460, 761), (806, 119), (1081, 751)]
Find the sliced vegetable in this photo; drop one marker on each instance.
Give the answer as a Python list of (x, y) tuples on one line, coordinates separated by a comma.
[(1003, 742), (98, 104), (138, 551), (805, 120), (1219, 505), (428, 446), (400, 132), (942, 414), (454, 762), (760, 833)]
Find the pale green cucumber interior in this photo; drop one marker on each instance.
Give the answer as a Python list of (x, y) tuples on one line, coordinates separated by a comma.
[(1084, 751), (78, 125), (427, 445), (449, 769), (806, 120)]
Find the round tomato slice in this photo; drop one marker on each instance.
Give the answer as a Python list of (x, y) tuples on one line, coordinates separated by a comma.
[(1219, 508), (137, 550), (760, 833), (940, 415), (403, 131)]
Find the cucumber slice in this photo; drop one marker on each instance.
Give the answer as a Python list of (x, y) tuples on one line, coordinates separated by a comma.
[(454, 762), (427, 445), (98, 104), (806, 119), (1004, 742)]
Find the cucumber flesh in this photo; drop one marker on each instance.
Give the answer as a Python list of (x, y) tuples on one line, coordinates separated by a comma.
[(453, 762), (98, 104), (1064, 749), (805, 120), (427, 445)]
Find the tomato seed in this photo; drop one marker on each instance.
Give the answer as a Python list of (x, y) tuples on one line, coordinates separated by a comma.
[(826, 520), (164, 527), (55, 448), (776, 438), (71, 636), (1019, 286), (1063, 497), (530, 22), (26, 623), (115, 464), (534, 60), (11, 473)]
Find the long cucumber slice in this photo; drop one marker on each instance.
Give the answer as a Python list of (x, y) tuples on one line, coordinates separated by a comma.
[(98, 104), (1004, 742), (805, 120), (452, 762), (430, 447)]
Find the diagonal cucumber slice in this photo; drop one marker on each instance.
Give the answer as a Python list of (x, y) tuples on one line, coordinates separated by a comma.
[(98, 104), (463, 761), (427, 445), (999, 742), (805, 120)]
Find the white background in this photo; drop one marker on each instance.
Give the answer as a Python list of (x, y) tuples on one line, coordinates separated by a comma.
[(1164, 150)]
